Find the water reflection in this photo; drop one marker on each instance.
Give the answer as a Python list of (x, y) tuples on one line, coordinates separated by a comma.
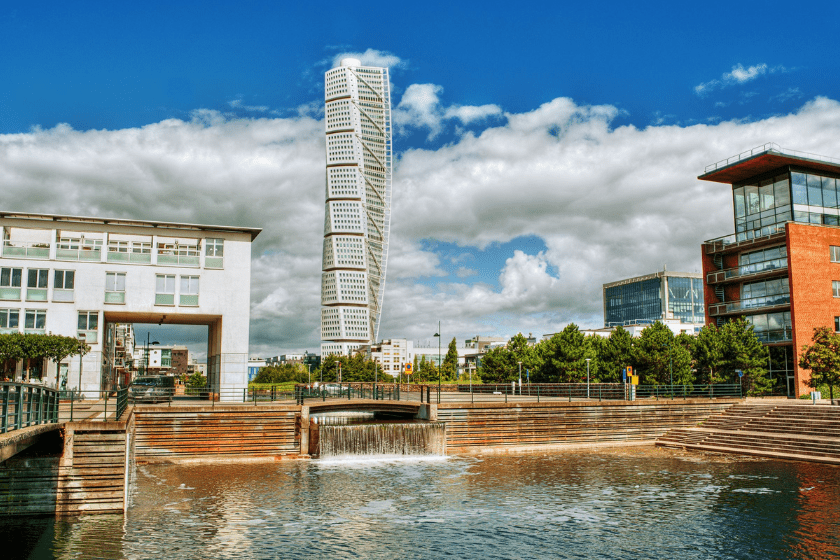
[(628, 503)]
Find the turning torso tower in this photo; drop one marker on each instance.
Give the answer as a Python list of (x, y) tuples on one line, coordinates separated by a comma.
[(358, 205)]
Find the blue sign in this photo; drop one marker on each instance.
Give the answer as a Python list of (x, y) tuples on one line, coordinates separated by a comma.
[(739, 372), (624, 375)]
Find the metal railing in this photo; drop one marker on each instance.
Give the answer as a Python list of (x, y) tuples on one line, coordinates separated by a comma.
[(93, 406), (763, 302), (503, 392), (25, 405), (752, 269), (720, 243), (768, 147)]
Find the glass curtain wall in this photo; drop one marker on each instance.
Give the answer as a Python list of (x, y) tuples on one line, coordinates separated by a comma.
[(685, 299), (634, 302), (762, 207)]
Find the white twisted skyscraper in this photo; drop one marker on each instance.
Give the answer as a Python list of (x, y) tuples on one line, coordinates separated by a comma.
[(358, 205)]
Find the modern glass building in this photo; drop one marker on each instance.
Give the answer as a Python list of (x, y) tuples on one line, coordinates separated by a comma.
[(655, 297), (779, 269), (358, 205)]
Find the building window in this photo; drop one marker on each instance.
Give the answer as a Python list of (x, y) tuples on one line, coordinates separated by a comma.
[(836, 324), (189, 290), (10, 279), (835, 254), (88, 325), (35, 321), (63, 285), (9, 320), (36, 284), (165, 289), (214, 250), (835, 286), (115, 287)]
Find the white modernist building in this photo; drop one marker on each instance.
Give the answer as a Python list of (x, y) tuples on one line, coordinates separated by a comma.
[(78, 276), (358, 205)]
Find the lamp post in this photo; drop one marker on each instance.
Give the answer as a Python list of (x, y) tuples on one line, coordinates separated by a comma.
[(520, 378), (155, 342), (437, 334), (309, 370), (587, 377)]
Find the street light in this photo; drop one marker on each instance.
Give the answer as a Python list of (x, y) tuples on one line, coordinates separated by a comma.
[(587, 377), (437, 334), (155, 342), (520, 378)]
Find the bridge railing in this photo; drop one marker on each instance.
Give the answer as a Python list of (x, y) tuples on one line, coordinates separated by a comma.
[(25, 405), (92, 406)]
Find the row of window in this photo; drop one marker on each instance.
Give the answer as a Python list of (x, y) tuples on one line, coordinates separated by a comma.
[(35, 320), (64, 284)]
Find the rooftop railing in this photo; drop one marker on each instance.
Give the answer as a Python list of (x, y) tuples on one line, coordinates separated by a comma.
[(29, 250), (768, 147), (766, 233)]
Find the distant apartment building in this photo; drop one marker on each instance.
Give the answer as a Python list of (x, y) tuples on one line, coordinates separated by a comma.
[(675, 296), (78, 276), (392, 355), (780, 270)]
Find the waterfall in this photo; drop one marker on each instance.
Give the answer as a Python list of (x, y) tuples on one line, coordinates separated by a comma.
[(416, 438)]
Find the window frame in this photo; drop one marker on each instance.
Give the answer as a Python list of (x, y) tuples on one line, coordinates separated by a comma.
[(36, 314)]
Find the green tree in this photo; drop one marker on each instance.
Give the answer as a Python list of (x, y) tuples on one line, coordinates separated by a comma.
[(707, 354), (19, 346), (657, 354), (563, 357), (450, 361), (616, 353), (741, 350), (196, 380), (283, 373), (822, 357), (498, 365)]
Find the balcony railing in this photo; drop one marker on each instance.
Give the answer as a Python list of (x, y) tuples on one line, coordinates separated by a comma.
[(768, 147), (129, 257), (751, 269), (749, 304), (179, 257), (777, 335), (86, 254), (26, 250), (719, 244)]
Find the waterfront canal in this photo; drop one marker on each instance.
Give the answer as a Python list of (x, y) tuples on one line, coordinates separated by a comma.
[(615, 503)]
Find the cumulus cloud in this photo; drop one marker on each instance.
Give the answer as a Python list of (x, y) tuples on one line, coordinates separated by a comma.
[(371, 57), (738, 75), (238, 104), (420, 107), (608, 201)]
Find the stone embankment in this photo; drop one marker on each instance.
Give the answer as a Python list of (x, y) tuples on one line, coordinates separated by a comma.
[(782, 430)]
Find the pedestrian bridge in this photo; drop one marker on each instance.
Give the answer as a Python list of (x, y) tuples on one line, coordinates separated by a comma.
[(388, 408)]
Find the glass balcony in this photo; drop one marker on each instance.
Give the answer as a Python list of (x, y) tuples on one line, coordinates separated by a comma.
[(90, 337), (780, 335), (84, 254), (26, 250), (749, 304), (189, 300), (719, 244), (747, 270), (125, 257), (8, 330), (114, 297)]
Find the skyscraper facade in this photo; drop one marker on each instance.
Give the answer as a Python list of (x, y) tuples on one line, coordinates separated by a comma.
[(358, 205)]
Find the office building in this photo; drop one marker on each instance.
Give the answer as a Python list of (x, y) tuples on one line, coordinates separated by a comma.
[(780, 270), (358, 205), (77, 276), (665, 295)]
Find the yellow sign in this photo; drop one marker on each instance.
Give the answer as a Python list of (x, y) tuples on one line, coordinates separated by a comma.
[(408, 367), (634, 379)]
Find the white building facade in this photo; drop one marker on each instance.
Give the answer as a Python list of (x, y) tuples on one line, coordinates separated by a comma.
[(358, 205), (77, 276)]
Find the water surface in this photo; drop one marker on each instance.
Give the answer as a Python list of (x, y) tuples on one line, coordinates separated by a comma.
[(620, 503)]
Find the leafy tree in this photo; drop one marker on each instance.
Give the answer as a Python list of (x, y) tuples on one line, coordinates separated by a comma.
[(823, 359), (657, 354), (741, 350), (707, 352), (19, 346), (498, 365), (279, 374), (615, 354), (196, 380), (563, 357), (450, 361)]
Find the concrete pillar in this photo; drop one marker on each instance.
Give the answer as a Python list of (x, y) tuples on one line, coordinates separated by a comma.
[(304, 430)]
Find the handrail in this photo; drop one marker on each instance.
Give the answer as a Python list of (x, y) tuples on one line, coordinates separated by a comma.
[(732, 238), (760, 302), (24, 404), (768, 147), (780, 264)]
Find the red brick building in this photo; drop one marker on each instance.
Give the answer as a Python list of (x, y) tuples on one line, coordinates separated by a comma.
[(780, 270)]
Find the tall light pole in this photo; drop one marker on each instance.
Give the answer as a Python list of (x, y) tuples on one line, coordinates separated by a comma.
[(520, 378), (146, 372), (309, 369), (440, 363), (587, 377)]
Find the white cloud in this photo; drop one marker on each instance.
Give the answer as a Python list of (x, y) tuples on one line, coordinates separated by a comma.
[(237, 104), (420, 107), (608, 203), (371, 57), (738, 75)]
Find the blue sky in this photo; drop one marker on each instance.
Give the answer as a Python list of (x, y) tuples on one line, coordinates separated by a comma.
[(542, 149)]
